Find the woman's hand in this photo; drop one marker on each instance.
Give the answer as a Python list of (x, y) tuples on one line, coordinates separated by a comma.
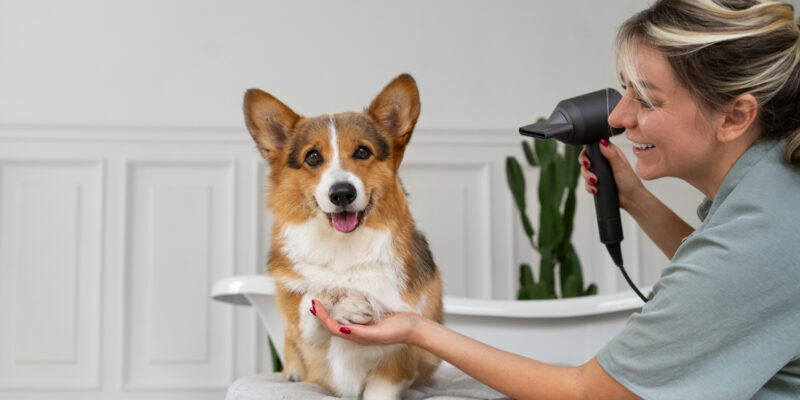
[(663, 226), (629, 186), (395, 328)]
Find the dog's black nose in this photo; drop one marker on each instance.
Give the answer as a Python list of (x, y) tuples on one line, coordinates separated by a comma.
[(342, 193)]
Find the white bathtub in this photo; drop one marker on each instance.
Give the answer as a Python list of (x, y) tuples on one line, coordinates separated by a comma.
[(563, 332)]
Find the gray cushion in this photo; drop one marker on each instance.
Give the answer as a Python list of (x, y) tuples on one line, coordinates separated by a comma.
[(448, 383)]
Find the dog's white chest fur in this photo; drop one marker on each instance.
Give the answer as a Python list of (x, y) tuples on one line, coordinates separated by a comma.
[(363, 260)]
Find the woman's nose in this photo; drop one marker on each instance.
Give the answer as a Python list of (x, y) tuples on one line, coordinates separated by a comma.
[(622, 116)]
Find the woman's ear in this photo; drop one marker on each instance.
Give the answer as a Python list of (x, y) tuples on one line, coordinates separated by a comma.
[(740, 115)]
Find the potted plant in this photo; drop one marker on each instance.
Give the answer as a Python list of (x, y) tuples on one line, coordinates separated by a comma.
[(558, 178)]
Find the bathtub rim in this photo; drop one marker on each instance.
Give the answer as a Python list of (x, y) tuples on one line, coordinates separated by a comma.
[(237, 289)]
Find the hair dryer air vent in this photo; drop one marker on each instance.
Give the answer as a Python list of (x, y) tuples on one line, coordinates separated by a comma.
[(579, 120)]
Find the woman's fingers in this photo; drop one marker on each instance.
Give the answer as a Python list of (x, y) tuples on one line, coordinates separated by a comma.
[(334, 327), (590, 179), (393, 328), (361, 334)]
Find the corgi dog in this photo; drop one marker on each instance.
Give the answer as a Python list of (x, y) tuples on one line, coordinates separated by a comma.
[(343, 235)]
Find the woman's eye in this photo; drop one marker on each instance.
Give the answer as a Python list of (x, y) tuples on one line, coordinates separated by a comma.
[(313, 158), (645, 104), (362, 153)]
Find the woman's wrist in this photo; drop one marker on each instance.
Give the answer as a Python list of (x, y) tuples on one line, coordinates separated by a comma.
[(636, 200), (420, 329)]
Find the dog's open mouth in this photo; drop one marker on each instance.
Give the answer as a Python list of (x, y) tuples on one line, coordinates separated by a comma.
[(345, 221)]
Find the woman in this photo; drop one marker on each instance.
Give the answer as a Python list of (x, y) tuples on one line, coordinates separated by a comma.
[(712, 96)]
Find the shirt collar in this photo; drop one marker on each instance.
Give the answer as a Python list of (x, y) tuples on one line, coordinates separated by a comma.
[(743, 165)]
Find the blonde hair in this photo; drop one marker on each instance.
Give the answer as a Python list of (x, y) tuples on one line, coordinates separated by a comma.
[(720, 49)]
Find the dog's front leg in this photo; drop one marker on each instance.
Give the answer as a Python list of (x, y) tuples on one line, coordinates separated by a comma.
[(293, 370), (293, 367), (393, 375)]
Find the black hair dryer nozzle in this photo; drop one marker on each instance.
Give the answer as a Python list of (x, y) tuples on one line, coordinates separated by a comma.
[(583, 120)]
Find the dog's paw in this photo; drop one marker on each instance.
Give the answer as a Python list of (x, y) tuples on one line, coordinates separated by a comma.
[(353, 309), (293, 377), (293, 374)]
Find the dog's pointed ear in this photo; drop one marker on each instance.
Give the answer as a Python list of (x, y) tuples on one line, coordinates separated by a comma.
[(396, 108), (269, 121)]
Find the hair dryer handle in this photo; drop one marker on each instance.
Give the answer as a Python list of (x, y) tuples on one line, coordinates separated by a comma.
[(606, 201)]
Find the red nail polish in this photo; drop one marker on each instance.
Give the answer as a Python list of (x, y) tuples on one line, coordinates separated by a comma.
[(592, 181), (313, 311), (594, 191), (313, 307), (586, 164), (345, 330), (604, 142)]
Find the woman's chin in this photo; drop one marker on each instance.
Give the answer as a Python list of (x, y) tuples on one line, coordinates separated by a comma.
[(647, 174)]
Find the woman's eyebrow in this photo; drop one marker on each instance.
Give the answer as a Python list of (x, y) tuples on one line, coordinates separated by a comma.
[(642, 83), (649, 85)]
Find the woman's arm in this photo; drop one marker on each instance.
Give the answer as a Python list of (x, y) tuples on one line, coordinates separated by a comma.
[(511, 374), (665, 228)]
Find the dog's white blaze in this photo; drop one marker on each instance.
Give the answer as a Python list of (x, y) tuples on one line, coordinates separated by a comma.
[(335, 174), (334, 139), (363, 260)]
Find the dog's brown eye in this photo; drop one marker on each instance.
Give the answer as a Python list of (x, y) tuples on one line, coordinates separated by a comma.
[(313, 158), (362, 153)]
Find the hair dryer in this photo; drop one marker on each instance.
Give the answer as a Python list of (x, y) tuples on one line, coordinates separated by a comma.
[(583, 120)]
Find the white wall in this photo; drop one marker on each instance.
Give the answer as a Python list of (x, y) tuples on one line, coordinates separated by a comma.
[(480, 64), (99, 99)]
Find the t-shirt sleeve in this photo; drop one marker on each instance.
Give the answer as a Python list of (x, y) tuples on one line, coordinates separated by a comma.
[(723, 321)]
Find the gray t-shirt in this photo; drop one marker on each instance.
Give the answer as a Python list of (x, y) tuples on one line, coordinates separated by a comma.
[(725, 319)]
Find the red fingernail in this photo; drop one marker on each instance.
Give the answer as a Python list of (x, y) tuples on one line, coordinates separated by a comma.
[(312, 310), (313, 307), (586, 164), (345, 330), (592, 181), (594, 191), (604, 142)]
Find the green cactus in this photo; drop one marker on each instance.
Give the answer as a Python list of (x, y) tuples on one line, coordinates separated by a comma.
[(558, 173), (277, 365)]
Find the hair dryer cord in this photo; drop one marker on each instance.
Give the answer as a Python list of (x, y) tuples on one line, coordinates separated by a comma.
[(631, 284)]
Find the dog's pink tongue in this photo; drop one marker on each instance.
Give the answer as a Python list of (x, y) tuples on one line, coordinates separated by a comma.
[(344, 221)]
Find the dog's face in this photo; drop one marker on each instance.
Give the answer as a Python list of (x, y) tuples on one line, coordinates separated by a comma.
[(340, 165)]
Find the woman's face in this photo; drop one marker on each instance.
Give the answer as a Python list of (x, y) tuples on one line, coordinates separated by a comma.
[(671, 138)]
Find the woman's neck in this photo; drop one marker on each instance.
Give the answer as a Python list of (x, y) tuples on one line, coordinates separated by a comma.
[(709, 179)]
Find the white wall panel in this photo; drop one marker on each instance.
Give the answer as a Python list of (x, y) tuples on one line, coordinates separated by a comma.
[(180, 239), (263, 218), (450, 202), (50, 251)]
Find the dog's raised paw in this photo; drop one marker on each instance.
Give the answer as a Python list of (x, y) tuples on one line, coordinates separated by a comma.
[(353, 309)]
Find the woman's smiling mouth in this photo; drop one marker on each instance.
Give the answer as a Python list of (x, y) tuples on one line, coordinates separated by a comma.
[(642, 148)]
